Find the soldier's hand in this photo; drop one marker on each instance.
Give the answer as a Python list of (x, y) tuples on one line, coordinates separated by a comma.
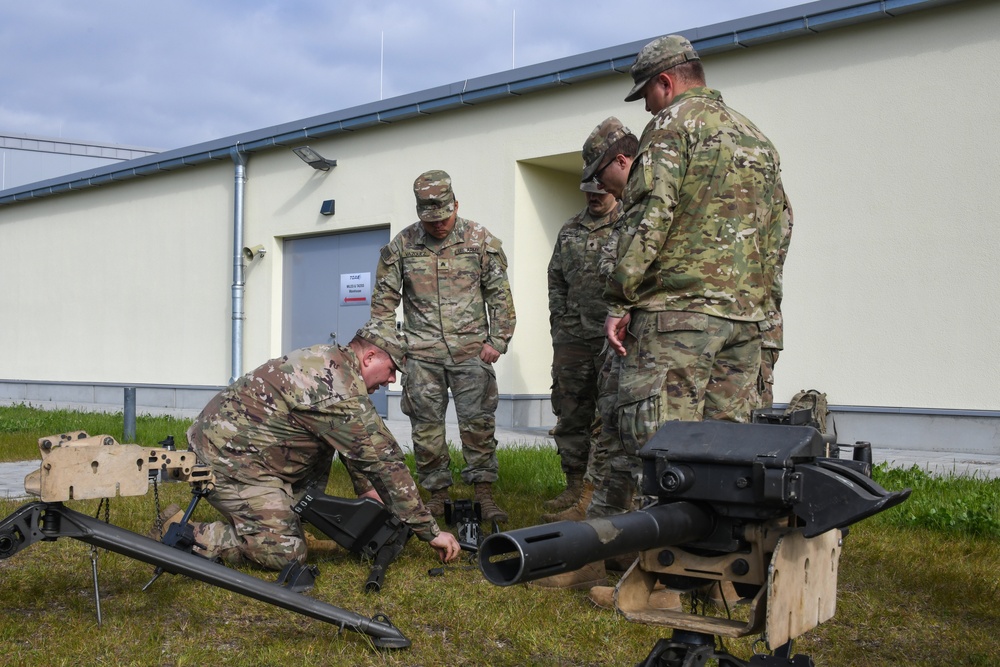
[(489, 353), (447, 547), (615, 328)]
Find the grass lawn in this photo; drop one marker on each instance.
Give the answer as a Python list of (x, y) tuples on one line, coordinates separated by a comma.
[(919, 585)]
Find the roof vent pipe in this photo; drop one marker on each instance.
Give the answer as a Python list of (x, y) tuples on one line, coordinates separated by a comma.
[(239, 282)]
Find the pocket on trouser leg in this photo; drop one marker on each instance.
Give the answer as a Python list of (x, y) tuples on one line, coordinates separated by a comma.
[(268, 530), (405, 406), (765, 378), (556, 400), (637, 422), (616, 491), (491, 393)]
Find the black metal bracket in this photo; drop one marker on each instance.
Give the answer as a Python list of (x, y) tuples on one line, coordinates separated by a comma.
[(467, 517), (693, 649), (362, 526)]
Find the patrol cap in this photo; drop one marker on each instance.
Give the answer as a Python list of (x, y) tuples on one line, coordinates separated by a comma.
[(660, 54), (597, 144), (592, 186), (435, 198), (386, 339)]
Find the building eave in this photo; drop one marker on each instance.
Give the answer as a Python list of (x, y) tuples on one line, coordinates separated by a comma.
[(788, 23)]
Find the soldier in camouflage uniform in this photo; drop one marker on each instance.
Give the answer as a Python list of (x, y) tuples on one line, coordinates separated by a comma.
[(695, 265), (576, 323), (458, 316), (273, 433), (608, 155)]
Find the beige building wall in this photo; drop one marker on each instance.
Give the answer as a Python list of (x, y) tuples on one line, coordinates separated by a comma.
[(125, 283), (888, 144)]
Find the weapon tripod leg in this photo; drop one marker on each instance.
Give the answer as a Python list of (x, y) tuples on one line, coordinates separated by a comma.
[(97, 589), (42, 521)]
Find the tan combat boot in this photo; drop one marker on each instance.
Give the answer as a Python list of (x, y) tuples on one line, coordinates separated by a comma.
[(602, 596), (484, 496), (316, 546), (168, 517), (438, 498), (661, 598), (588, 576), (569, 496), (577, 511)]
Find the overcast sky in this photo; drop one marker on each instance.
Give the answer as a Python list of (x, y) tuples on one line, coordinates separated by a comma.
[(178, 72)]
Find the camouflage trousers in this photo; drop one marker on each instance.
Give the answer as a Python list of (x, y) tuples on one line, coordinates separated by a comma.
[(685, 366), (575, 370), (260, 525), (473, 385), (765, 379), (615, 474)]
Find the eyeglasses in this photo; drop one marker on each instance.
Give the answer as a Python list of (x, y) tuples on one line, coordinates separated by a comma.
[(597, 174)]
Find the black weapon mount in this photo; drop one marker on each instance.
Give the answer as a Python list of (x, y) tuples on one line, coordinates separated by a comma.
[(362, 526), (739, 503)]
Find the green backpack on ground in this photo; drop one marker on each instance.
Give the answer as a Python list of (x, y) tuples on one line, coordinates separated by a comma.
[(815, 402)]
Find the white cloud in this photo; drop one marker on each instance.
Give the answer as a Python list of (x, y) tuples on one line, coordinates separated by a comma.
[(176, 73)]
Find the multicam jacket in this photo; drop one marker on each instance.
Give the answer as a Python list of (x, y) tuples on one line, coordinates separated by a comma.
[(282, 423), (454, 291), (773, 326), (576, 303), (702, 208)]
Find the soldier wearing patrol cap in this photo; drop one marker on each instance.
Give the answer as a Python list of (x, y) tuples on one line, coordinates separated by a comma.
[(698, 265), (450, 274), (576, 323), (607, 156), (272, 435)]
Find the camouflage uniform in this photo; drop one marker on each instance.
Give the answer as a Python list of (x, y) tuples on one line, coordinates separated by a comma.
[(273, 433), (456, 298), (576, 321), (701, 205), (615, 474), (772, 329)]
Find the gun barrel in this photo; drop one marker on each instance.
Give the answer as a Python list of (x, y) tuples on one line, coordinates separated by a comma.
[(531, 553)]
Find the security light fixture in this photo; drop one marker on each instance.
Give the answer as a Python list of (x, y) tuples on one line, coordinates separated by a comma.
[(314, 159)]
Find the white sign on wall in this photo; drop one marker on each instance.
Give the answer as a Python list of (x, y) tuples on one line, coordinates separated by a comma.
[(355, 289)]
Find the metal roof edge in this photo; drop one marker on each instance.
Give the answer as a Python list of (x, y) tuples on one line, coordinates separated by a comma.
[(746, 32)]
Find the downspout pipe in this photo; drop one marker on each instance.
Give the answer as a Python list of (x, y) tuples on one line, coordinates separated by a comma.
[(239, 278)]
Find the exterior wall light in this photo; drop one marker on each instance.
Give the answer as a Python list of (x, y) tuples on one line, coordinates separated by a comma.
[(314, 159)]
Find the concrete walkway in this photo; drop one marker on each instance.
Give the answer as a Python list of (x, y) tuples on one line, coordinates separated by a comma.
[(981, 465)]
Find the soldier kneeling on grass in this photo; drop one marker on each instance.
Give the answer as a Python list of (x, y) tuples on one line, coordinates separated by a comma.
[(272, 435)]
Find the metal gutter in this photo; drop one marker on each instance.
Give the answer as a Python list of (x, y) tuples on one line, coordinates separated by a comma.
[(239, 278), (22, 142), (788, 23)]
